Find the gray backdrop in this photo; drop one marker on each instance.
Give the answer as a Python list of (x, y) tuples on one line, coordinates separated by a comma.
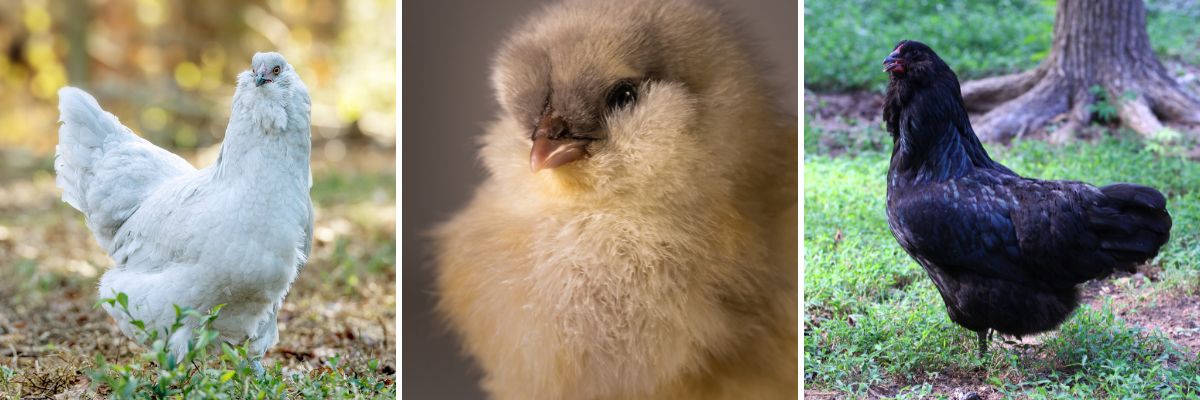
[(447, 47)]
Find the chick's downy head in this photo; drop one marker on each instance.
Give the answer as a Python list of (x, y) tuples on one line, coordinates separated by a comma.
[(602, 95)]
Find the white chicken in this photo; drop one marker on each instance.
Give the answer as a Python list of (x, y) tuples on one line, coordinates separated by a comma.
[(235, 233)]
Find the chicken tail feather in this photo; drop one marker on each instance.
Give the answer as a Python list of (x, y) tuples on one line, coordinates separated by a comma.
[(102, 167), (81, 137), (1133, 224)]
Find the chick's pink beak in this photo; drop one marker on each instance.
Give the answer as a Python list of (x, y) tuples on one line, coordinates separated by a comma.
[(552, 145)]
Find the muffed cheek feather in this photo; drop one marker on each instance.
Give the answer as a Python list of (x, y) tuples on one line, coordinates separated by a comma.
[(665, 111), (245, 78), (656, 138)]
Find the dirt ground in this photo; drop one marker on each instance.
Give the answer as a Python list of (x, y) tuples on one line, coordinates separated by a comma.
[(342, 304), (1174, 313)]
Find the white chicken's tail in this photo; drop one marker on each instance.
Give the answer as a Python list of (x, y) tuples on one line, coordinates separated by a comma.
[(81, 143), (104, 170)]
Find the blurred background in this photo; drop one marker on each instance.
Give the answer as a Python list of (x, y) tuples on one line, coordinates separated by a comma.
[(167, 69), (448, 47)]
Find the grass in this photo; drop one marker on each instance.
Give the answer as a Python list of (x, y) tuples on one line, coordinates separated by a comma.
[(336, 327), (873, 319), (845, 41), (228, 372), (1172, 29)]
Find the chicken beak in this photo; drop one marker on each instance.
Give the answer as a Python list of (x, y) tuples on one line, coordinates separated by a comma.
[(893, 63), (552, 147), (260, 77), (549, 153)]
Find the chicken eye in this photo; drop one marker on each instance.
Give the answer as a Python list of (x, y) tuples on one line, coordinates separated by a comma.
[(622, 94), (275, 70)]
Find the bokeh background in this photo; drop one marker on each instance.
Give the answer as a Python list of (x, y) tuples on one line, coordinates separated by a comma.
[(447, 100), (167, 69)]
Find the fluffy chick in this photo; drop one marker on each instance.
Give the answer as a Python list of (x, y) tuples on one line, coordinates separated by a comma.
[(636, 237)]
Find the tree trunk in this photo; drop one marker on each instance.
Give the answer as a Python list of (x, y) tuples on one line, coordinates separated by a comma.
[(76, 34), (1097, 43)]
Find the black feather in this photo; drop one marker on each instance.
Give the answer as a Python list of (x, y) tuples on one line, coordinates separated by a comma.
[(1005, 252)]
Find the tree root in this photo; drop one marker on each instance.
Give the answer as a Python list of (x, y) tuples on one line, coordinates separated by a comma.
[(1077, 118), (1031, 109), (988, 93), (1136, 115), (1171, 101), (1017, 104)]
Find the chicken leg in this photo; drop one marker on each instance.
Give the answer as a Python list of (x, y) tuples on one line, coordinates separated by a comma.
[(984, 337)]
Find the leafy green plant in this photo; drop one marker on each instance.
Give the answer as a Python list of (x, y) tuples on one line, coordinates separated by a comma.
[(6, 378), (1104, 110), (225, 374)]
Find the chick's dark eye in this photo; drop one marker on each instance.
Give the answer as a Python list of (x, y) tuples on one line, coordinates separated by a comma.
[(621, 95), (275, 70)]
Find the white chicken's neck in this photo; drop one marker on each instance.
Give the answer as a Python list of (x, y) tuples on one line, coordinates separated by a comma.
[(266, 143)]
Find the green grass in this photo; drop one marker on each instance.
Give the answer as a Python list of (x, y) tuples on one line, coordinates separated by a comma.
[(342, 187), (845, 41), (225, 374), (873, 317), (1173, 31)]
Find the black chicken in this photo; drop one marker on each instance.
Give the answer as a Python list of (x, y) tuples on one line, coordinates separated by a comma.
[(1005, 252)]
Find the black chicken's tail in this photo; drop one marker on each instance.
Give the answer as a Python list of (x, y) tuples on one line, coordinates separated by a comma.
[(1132, 223)]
